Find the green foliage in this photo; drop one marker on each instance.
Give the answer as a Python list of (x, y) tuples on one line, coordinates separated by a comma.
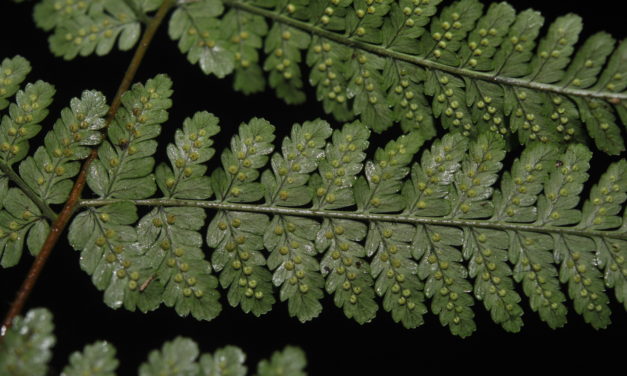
[(238, 236), (97, 359), (45, 177), (26, 347), (124, 170), (391, 62), (291, 239), (87, 27), (193, 26), (436, 233), (389, 242), (429, 234), (289, 362), (25, 350), (13, 72), (348, 277), (442, 233)]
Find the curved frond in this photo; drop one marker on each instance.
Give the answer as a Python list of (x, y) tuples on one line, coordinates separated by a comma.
[(433, 235), (402, 62)]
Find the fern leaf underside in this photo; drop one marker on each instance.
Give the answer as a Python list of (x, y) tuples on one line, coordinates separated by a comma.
[(444, 233), (476, 68), (439, 234)]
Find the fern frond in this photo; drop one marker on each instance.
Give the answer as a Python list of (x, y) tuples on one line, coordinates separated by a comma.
[(172, 233), (237, 236), (125, 163), (110, 252), (45, 178), (347, 273), (97, 359), (193, 25), (436, 247), (291, 361), (26, 347), (14, 71), (392, 266), (23, 121), (26, 351), (87, 27), (49, 171), (405, 61), (21, 222), (390, 62), (291, 242), (442, 232)]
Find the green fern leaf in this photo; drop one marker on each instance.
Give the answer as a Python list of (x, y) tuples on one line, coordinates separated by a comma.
[(97, 359), (200, 36), (446, 233), (13, 71), (49, 171), (392, 62), (171, 235), (23, 122), (328, 59), (291, 241), (20, 221), (26, 346), (227, 361), (172, 242), (45, 178), (186, 178), (84, 28), (347, 273), (534, 263), (176, 358), (49, 14), (290, 362), (392, 266), (435, 247), (124, 169), (109, 253), (238, 236), (125, 164), (245, 32), (283, 45)]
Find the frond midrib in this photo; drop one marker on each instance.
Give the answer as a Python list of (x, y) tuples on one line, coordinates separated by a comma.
[(423, 62), (360, 216)]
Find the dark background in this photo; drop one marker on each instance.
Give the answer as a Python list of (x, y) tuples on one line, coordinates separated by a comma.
[(334, 344)]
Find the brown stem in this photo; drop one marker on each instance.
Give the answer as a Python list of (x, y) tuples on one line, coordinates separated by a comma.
[(59, 225)]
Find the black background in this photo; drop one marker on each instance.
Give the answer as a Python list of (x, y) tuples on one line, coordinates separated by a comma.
[(334, 344)]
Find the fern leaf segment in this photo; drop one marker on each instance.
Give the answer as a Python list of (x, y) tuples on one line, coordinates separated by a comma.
[(44, 178), (450, 229), (389, 62), (238, 236), (401, 62)]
